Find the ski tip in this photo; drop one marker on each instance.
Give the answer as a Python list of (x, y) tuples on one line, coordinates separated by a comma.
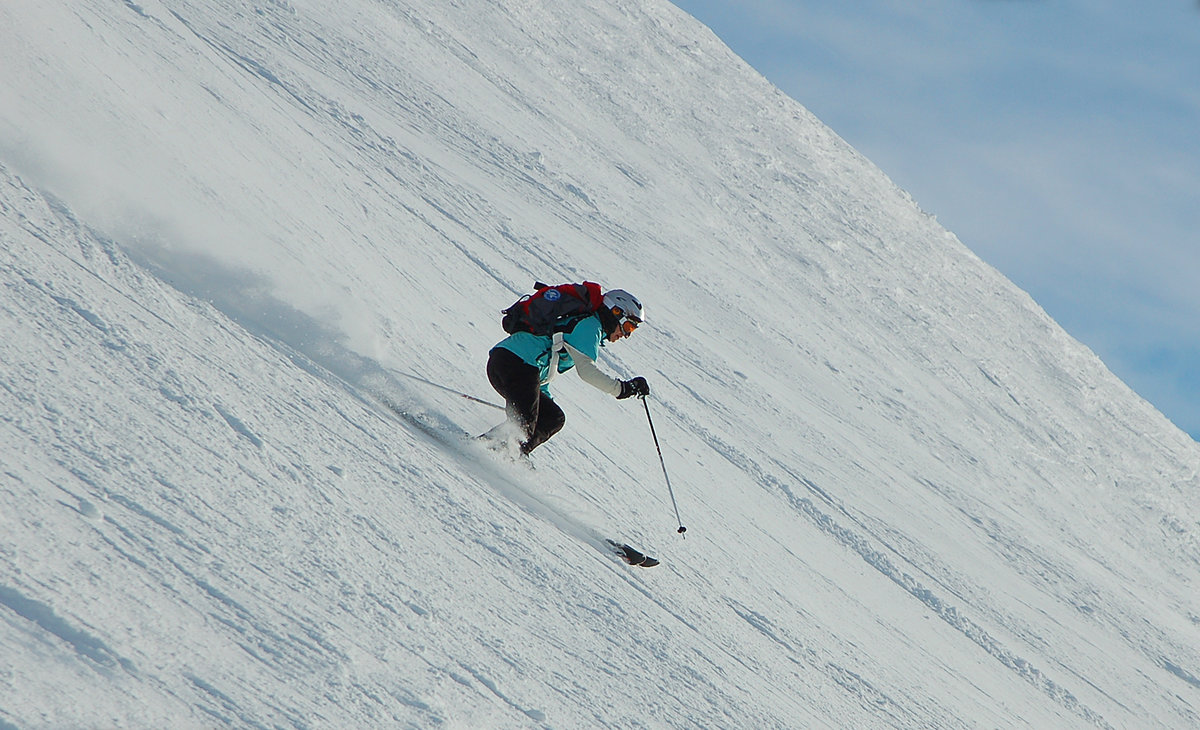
[(632, 555)]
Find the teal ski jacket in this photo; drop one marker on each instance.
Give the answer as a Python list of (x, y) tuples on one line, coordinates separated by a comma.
[(576, 348)]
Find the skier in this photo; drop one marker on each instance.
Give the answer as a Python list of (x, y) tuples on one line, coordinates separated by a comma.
[(521, 366)]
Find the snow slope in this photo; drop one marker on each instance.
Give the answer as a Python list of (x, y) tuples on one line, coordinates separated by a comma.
[(237, 238)]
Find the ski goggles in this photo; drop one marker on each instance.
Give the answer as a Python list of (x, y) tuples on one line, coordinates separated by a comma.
[(628, 325)]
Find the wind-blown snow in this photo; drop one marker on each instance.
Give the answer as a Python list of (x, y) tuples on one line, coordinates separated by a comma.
[(238, 239)]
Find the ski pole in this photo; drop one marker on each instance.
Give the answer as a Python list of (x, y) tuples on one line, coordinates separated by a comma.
[(663, 461), (460, 394)]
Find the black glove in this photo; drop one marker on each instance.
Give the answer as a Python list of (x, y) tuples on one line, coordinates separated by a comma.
[(637, 386)]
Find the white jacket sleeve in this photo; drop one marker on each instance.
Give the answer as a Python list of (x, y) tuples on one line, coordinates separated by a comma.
[(592, 374)]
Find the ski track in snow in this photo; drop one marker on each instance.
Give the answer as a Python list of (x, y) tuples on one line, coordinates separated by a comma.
[(229, 230)]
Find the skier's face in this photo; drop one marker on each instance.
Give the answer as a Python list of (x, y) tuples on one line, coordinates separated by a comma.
[(624, 329)]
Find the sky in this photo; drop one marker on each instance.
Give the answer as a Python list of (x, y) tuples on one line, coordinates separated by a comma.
[(1055, 138)]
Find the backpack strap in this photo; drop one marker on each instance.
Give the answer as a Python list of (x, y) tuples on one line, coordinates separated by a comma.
[(556, 346)]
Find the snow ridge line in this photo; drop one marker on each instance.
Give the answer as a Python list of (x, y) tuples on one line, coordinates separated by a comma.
[(875, 558), (948, 613), (85, 645)]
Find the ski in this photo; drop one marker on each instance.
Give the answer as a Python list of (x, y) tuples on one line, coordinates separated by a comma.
[(450, 435), (631, 555)]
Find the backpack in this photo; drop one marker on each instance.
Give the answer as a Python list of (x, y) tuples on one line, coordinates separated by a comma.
[(551, 307)]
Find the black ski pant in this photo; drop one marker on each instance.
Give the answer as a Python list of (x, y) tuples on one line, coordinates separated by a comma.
[(538, 416)]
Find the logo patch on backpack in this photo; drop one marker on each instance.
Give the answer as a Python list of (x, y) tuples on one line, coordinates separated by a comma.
[(552, 308)]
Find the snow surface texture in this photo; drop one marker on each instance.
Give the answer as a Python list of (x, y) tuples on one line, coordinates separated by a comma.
[(236, 234)]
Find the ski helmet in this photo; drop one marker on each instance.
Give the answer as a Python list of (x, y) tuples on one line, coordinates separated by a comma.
[(630, 308)]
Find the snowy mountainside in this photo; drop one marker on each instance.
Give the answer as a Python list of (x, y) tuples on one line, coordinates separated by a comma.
[(235, 232)]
